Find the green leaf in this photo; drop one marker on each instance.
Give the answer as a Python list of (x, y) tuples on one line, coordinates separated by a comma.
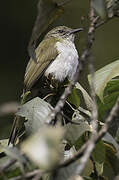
[(88, 168), (75, 131), (111, 165), (112, 86), (36, 111), (12, 173), (100, 7), (87, 98), (111, 93), (99, 156), (99, 168), (99, 152), (103, 76), (74, 98)]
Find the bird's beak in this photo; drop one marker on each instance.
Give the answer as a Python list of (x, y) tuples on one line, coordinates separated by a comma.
[(76, 30)]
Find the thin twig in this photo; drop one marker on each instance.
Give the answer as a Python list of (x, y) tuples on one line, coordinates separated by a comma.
[(7, 165), (91, 144), (27, 175), (8, 108)]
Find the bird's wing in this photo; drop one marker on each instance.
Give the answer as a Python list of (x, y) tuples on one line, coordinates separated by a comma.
[(45, 53)]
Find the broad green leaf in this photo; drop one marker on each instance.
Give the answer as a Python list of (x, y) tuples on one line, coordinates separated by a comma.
[(111, 94), (75, 131), (112, 86), (108, 171), (36, 111), (100, 7), (111, 165), (103, 76), (74, 98), (98, 155), (87, 98), (88, 168), (99, 152)]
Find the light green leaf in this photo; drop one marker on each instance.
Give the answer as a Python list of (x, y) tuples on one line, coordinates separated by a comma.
[(99, 168), (36, 111), (103, 76), (75, 131)]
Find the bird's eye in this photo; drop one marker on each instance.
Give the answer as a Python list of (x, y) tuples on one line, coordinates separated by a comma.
[(60, 31)]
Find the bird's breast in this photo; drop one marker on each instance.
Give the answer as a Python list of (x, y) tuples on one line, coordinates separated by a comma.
[(66, 63)]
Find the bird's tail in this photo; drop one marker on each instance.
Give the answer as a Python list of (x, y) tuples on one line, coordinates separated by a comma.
[(14, 131), (18, 123)]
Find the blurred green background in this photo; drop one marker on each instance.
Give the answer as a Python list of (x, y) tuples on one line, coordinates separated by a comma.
[(16, 22)]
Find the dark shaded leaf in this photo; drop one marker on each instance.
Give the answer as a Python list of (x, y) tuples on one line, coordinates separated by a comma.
[(87, 98), (74, 98)]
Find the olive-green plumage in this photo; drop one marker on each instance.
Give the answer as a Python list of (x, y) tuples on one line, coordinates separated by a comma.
[(46, 52)]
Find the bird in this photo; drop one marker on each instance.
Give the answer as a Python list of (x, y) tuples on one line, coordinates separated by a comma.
[(57, 60)]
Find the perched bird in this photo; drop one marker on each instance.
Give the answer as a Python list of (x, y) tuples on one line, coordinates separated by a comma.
[(56, 57), (57, 60)]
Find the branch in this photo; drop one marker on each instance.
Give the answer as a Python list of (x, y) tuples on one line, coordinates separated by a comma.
[(27, 175), (7, 165), (90, 144), (8, 108)]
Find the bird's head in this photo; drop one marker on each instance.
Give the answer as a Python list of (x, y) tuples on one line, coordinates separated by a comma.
[(63, 32)]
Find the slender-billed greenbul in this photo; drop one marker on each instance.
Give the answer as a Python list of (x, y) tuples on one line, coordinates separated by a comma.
[(57, 58)]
